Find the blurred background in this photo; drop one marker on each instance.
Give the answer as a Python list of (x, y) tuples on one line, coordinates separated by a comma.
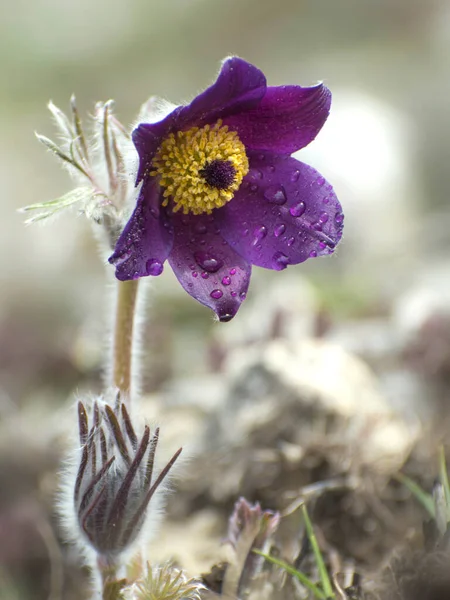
[(373, 320)]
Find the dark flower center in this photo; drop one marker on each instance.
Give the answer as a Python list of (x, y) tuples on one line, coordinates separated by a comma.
[(218, 174)]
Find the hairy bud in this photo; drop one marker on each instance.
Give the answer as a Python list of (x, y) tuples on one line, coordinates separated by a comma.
[(115, 478)]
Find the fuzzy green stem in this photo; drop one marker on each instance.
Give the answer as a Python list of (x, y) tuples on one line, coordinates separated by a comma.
[(123, 336)]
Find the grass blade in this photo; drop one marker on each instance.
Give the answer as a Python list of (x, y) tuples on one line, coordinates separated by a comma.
[(425, 499), (304, 579), (326, 583)]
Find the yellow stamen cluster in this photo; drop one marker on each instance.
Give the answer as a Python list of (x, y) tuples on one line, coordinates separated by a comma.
[(183, 155)]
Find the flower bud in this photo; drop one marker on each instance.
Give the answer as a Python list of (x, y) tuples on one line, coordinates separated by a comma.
[(115, 478)]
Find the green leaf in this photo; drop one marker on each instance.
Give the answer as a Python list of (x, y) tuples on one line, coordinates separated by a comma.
[(326, 583), (444, 479), (423, 497), (304, 579), (50, 208)]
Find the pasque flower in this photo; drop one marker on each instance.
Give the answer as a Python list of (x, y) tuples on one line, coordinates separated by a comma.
[(220, 191)]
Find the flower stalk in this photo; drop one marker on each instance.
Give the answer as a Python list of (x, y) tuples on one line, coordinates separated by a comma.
[(123, 336)]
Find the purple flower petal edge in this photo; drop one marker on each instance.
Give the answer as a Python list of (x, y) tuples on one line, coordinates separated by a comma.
[(287, 118), (207, 267), (239, 87), (284, 213), (147, 239)]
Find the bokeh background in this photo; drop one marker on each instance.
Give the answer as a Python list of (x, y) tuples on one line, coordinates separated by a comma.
[(383, 298)]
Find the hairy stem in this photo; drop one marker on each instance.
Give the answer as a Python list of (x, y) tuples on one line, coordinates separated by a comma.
[(123, 336)]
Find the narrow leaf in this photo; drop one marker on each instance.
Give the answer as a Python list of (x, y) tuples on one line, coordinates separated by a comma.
[(425, 499), (326, 583), (304, 579)]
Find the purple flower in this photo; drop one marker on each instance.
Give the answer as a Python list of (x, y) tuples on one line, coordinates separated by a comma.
[(220, 191)]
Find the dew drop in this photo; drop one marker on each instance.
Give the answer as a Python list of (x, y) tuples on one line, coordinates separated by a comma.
[(290, 241), (256, 174), (271, 169), (200, 228), (322, 245), (260, 233), (317, 226), (232, 271), (313, 254), (216, 294), (323, 217), (326, 200), (226, 317), (295, 175), (234, 294), (245, 232), (298, 209), (205, 275), (194, 274), (339, 218), (208, 262), (279, 230), (154, 267), (275, 195), (226, 280), (321, 181), (119, 260), (242, 295), (280, 261)]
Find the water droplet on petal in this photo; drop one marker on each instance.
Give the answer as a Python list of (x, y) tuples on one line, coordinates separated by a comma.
[(119, 260), (279, 230), (234, 294), (259, 234), (154, 267), (216, 294), (280, 261), (226, 280), (290, 241), (256, 174), (208, 262), (275, 195), (194, 274), (232, 271), (295, 175), (298, 209), (242, 295), (205, 275), (323, 217), (313, 254), (200, 228), (339, 218), (225, 317), (322, 245), (271, 169), (245, 232), (321, 181), (317, 226)]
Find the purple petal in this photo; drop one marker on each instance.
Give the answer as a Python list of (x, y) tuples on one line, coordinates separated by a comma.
[(239, 87), (147, 138), (288, 118), (147, 239), (283, 213), (205, 265)]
